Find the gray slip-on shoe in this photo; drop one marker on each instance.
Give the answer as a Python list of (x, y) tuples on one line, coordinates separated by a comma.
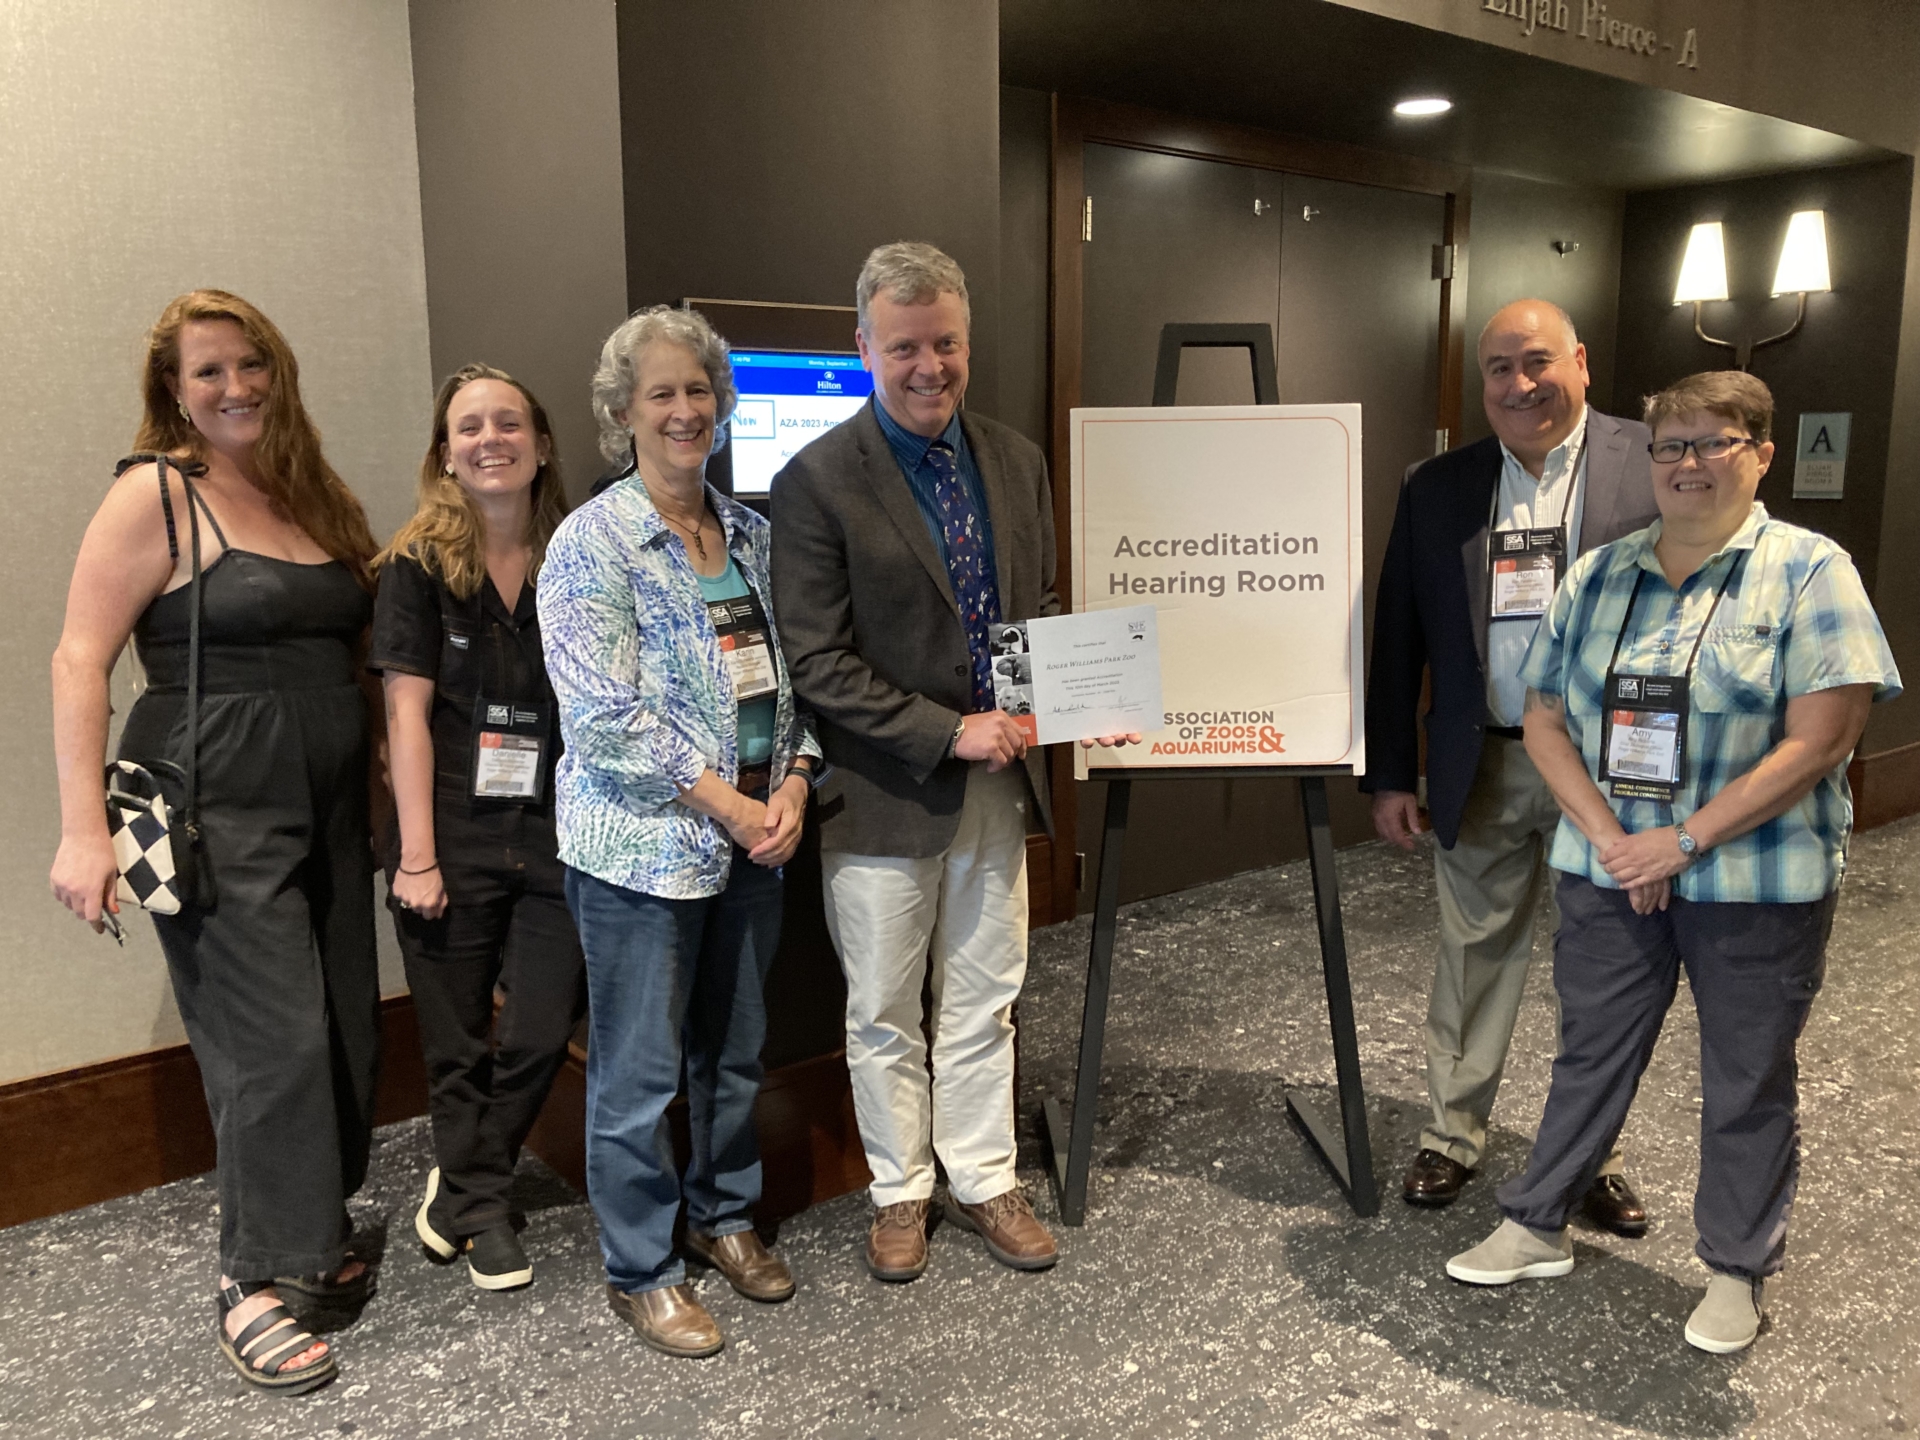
[(1728, 1315), (1512, 1253)]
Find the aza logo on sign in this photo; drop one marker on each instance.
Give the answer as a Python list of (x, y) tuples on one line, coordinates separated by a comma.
[(499, 715)]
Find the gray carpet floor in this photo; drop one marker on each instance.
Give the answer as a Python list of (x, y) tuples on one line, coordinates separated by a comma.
[(1219, 1288)]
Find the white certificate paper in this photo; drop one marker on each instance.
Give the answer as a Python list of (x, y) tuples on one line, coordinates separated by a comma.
[(1096, 673)]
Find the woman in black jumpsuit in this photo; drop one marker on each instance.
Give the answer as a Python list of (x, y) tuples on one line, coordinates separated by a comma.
[(274, 968), (475, 882)]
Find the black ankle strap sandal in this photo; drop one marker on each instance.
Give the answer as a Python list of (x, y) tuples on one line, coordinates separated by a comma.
[(262, 1350)]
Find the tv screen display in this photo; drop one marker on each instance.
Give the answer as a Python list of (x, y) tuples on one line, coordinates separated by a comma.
[(787, 398)]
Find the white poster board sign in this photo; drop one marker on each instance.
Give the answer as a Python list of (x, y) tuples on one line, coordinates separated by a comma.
[(1240, 524)]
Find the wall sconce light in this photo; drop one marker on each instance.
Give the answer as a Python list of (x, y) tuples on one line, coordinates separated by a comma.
[(1802, 268)]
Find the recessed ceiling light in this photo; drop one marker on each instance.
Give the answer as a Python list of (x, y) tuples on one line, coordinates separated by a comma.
[(1425, 105)]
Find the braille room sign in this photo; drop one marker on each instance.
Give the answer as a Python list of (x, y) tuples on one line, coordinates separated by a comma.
[(1820, 461), (1240, 525)]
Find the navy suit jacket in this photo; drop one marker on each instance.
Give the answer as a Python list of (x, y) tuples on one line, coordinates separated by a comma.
[(1430, 612)]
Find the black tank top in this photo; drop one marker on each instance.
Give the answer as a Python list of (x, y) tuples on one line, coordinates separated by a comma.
[(266, 624)]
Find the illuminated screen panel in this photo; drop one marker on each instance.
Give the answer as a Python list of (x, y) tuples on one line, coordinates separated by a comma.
[(788, 398)]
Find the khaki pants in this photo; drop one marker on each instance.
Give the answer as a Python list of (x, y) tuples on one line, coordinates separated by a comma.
[(1492, 884), (964, 912)]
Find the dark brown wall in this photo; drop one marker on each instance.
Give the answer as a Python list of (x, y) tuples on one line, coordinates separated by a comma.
[(516, 108), (1897, 593), (1515, 222), (1026, 119), (769, 147), (1842, 360)]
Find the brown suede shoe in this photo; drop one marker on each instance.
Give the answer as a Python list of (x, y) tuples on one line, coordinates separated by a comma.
[(670, 1320), (897, 1241), (1006, 1223), (749, 1266)]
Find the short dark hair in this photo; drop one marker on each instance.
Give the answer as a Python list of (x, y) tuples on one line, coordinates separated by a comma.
[(1731, 394)]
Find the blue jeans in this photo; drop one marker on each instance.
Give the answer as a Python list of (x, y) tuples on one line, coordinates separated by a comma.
[(667, 977)]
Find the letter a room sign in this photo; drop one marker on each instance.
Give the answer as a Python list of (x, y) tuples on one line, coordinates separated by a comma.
[(1820, 462)]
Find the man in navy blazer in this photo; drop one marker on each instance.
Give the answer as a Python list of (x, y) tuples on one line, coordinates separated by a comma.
[(1481, 538)]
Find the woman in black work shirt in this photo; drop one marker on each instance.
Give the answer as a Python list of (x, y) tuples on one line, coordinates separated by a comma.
[(474, 878)]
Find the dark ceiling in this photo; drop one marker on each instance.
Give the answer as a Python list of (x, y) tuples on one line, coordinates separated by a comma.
[(1304, 67)]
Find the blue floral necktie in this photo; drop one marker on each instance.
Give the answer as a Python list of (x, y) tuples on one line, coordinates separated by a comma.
[(969, 566)]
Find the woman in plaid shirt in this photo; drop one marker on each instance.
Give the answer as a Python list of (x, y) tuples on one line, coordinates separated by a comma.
[(1694, 696)]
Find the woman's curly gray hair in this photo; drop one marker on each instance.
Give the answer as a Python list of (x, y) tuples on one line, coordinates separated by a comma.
[(618, 372)]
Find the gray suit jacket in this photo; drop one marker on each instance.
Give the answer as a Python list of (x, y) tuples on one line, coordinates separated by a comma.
[(873, 639)]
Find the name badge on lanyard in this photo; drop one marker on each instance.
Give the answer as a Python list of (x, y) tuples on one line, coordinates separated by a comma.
[(1643, 735), (1524, 566), (1643, 729), (510, 739), (746, 639), (1524, 569)]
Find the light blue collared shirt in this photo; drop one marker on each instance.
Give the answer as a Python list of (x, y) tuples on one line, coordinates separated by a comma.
[(1525, 503)]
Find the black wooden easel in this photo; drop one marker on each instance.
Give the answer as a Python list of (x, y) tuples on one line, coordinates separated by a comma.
[(1343, 1145)]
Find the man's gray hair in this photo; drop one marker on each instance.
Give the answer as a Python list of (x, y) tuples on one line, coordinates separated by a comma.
[(618, 372), (1573, 333), (910, 272)]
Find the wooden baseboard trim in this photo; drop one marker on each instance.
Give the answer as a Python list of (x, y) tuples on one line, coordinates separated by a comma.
[(76, 1137), (810, 1147), (1886, 786)]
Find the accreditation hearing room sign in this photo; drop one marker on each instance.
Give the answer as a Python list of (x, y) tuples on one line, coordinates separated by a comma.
[(1240, 524)]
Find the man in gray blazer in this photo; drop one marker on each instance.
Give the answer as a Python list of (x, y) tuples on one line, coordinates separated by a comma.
[(901, 539), (1481, 537)]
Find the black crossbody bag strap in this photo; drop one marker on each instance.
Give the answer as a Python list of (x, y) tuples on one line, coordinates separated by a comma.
[(197, 882), (195, 607)]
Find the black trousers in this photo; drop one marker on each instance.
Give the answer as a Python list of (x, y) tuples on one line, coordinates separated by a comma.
[(1754, 971), (278, 982), (506, 924)]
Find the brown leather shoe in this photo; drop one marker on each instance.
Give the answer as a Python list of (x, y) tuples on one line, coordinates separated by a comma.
[(749, 1266), (1006, 1223), (897, 1241), (1612, 1205), (669, 1319), (1434, 1179)]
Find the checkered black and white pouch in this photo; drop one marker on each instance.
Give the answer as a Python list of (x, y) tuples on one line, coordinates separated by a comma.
[(158, 845), (138, 821)]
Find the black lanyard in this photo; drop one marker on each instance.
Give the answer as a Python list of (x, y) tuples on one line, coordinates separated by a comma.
[(1643, 719), (1693, 655), (1566, 505)]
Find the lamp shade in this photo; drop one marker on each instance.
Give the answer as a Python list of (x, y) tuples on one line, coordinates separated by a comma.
[(1703, 273), (1803, 255)]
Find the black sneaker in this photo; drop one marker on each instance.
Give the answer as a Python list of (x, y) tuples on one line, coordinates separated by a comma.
[(496, 1261), (439, 1244)]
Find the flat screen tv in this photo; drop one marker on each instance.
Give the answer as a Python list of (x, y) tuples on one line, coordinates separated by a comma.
[(787, 398)]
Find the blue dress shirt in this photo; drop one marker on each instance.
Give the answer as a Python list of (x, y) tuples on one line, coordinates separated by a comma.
[(910, 451)]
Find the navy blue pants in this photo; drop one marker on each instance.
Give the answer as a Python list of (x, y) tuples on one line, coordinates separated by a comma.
[(667, 980), (1753, 970)]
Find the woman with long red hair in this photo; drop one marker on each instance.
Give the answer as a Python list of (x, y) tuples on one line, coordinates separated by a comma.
[(272, 952)]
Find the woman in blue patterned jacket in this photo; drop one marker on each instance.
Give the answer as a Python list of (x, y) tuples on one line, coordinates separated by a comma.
[(681, 792)]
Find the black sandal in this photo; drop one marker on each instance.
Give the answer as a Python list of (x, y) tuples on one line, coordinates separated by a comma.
[(261, 1351), (319, 1290)]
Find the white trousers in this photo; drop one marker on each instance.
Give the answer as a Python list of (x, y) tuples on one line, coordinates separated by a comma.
[(965, 913)]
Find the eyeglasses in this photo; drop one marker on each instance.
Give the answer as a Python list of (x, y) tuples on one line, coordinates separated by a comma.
[(1707, 447)]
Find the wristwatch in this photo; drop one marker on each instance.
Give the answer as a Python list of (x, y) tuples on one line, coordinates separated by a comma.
[(953, 741), (1689, 846)]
